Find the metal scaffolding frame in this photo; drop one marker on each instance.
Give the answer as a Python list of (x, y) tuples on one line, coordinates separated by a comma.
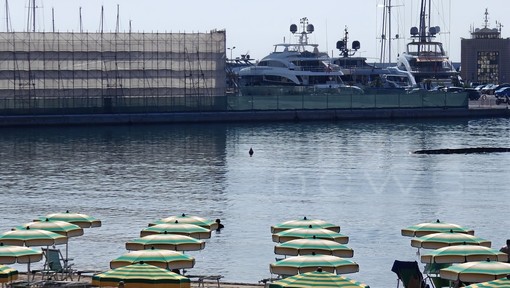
[(52, 70)]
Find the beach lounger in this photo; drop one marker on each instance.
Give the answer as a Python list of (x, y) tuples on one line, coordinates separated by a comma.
[(55, 266), (409, 274), (201, 278)]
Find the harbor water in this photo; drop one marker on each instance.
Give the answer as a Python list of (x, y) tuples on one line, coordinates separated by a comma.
[(361, 175)]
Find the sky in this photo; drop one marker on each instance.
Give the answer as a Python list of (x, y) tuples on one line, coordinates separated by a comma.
[(254, 26)]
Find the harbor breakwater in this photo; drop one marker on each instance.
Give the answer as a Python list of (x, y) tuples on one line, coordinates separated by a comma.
[(246, 116)]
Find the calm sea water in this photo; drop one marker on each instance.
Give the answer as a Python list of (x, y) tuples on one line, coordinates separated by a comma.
[(360, 175)]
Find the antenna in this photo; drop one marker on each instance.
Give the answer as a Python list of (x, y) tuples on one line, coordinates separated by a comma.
[(7, 15), (81, 22), (53, 19), (101, 21), (117, 23)]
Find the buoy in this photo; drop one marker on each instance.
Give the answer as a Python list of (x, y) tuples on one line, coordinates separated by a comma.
[(250, 152)]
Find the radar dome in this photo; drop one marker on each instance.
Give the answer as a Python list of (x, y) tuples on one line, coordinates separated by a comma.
[(293, 28), (414, 31), (309, 28), (356, 45), (340, 45)]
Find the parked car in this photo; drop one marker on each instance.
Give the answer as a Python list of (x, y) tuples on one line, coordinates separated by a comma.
[(502, 92), (473, 94)]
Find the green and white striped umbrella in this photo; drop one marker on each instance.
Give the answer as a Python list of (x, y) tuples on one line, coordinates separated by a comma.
[(7, 274), (308, 263), (463, 253), (141, 276), (302, 233), (304, 223), (310, 246), (166, 259), (191, 230), (499, 283), (166, 241), (19, 254), (317, 279), (82, 220), (439, 240), (476, 272), (188, 219), (60, 227), (32, 237), (437, 226)]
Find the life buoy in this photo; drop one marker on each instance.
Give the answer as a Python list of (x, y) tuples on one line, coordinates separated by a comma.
[(484, 97)]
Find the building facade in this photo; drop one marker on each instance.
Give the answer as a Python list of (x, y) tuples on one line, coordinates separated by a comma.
[(484, 57)]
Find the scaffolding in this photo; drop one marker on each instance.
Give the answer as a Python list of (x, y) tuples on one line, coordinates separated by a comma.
[(108, 72)]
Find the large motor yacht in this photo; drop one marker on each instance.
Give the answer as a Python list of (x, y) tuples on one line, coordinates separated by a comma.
[(296, 68), (426, 59)]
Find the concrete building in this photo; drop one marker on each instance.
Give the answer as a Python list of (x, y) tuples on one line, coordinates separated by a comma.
[(485, 55)]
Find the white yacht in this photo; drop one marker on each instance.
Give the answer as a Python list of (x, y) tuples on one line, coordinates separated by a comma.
[(294, 68), (356, 70), (425, 59)]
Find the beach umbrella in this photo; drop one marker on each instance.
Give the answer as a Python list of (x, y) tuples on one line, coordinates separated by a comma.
[(475, 272), (463, 253), (166, 259), (82, 220), (7, 274), (317, 278), (499, 283), (32, 237), (188, 219), (166, 241), (304, 223), (191, 230), (141, 276), (313, 245), (19, 254), (439, 240), (307, 263), (310, 232), (437, 226), (60, 227)]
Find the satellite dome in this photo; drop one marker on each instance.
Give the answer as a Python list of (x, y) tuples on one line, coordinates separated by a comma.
[(309, 28), (414, 31), (293, 28)]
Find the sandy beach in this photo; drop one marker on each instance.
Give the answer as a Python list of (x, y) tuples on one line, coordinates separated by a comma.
[(86, 280)]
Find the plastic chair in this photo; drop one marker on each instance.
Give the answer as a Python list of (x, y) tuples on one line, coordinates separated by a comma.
[(56, 265), (409, 274)]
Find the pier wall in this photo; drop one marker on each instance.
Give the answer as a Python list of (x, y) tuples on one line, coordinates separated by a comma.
[(247, 116)]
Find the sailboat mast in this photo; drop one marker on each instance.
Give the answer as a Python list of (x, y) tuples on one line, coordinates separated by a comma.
[(423, 33)]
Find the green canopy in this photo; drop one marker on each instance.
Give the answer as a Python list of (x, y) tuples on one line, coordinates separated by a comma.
[(463, 253), (307, 263), (191, 230), (166, 241), (304, 223), (500, 283), (313, 245), (310, 232), (188, 219), (475, 272), (439, 240), (56, 226), (19, 254), (141, 276), (7, 274), (317, 279), (437, 226), (32, 237), (82, 220), (166, 259)]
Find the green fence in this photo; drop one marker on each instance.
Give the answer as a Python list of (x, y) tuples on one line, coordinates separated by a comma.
[(370, 100), (159, 104)]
